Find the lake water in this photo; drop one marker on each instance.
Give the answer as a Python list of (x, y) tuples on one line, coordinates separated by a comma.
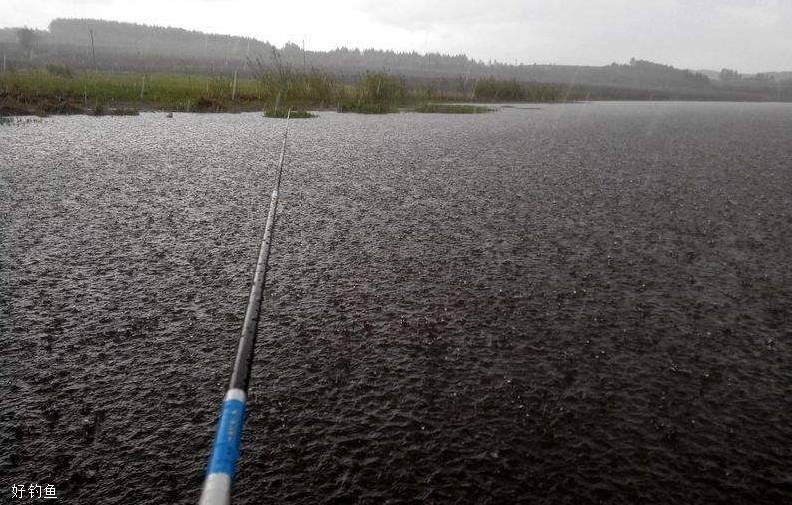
[(581, 303)]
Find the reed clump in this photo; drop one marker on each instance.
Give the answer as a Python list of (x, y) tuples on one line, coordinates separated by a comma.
[(375, 93), (281, 86), (284, 87)]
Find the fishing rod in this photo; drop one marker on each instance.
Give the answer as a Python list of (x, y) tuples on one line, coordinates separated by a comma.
[(225, 450)]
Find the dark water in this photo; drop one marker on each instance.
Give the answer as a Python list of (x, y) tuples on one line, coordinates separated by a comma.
[(580, 304)]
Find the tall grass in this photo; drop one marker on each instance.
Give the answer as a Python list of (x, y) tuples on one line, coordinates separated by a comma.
[(89, 90), (274, 89), (282, 87), (374, 93)]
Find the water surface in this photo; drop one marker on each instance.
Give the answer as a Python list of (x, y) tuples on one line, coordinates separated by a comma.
[(583, 303)]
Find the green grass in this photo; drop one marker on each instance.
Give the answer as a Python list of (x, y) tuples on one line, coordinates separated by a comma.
[(58, 90), (41, 92), (448, 108)]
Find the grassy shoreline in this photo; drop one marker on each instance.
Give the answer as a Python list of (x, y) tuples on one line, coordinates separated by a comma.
[(45, 92), (42, 93)]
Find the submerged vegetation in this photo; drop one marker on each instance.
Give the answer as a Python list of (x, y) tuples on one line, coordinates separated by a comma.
[(283, 113), (450, 108), (18, 121)]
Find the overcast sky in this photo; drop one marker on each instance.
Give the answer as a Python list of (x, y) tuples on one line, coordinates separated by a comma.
[(748, 35)]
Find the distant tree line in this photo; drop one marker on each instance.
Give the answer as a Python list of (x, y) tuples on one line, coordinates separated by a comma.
[(140, 48)]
